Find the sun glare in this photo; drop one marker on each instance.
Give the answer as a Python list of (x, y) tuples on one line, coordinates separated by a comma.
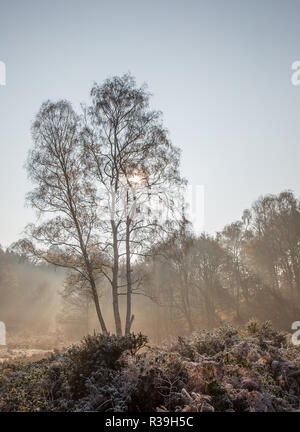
[(135, 179)]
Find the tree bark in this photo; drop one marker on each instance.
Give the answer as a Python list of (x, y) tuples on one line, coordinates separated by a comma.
[(115, 275), (97, 305), (85, 257), (129, 318)]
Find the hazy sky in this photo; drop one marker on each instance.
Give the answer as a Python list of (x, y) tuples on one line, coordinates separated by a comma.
[(219, 70)]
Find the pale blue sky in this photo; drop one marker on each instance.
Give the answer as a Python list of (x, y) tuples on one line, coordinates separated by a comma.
[(219, 70)]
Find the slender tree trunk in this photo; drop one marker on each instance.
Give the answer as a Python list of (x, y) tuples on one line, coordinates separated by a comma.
[(188, 311), (296, 272), (189, 322), (97, 305), (94, 291), (88, 267), (129, 317), (115, 276), (87, 315), (185, 306), (238, 293)]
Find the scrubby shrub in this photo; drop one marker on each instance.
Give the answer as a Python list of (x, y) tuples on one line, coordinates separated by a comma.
[(206, 343), (99, 353), (266, 333), (253, 326)]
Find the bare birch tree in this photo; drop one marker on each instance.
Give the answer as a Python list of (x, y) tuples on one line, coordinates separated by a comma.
[(127, 151), (65, 234)]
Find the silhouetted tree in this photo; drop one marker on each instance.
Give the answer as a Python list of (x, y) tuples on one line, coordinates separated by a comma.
[(65, 200), (127, 152)]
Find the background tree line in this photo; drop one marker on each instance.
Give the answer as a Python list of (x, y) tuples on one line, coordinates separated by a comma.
[(249, 269), (29, 294)]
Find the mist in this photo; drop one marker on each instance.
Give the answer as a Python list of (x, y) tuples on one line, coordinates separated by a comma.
[(248, 270)]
